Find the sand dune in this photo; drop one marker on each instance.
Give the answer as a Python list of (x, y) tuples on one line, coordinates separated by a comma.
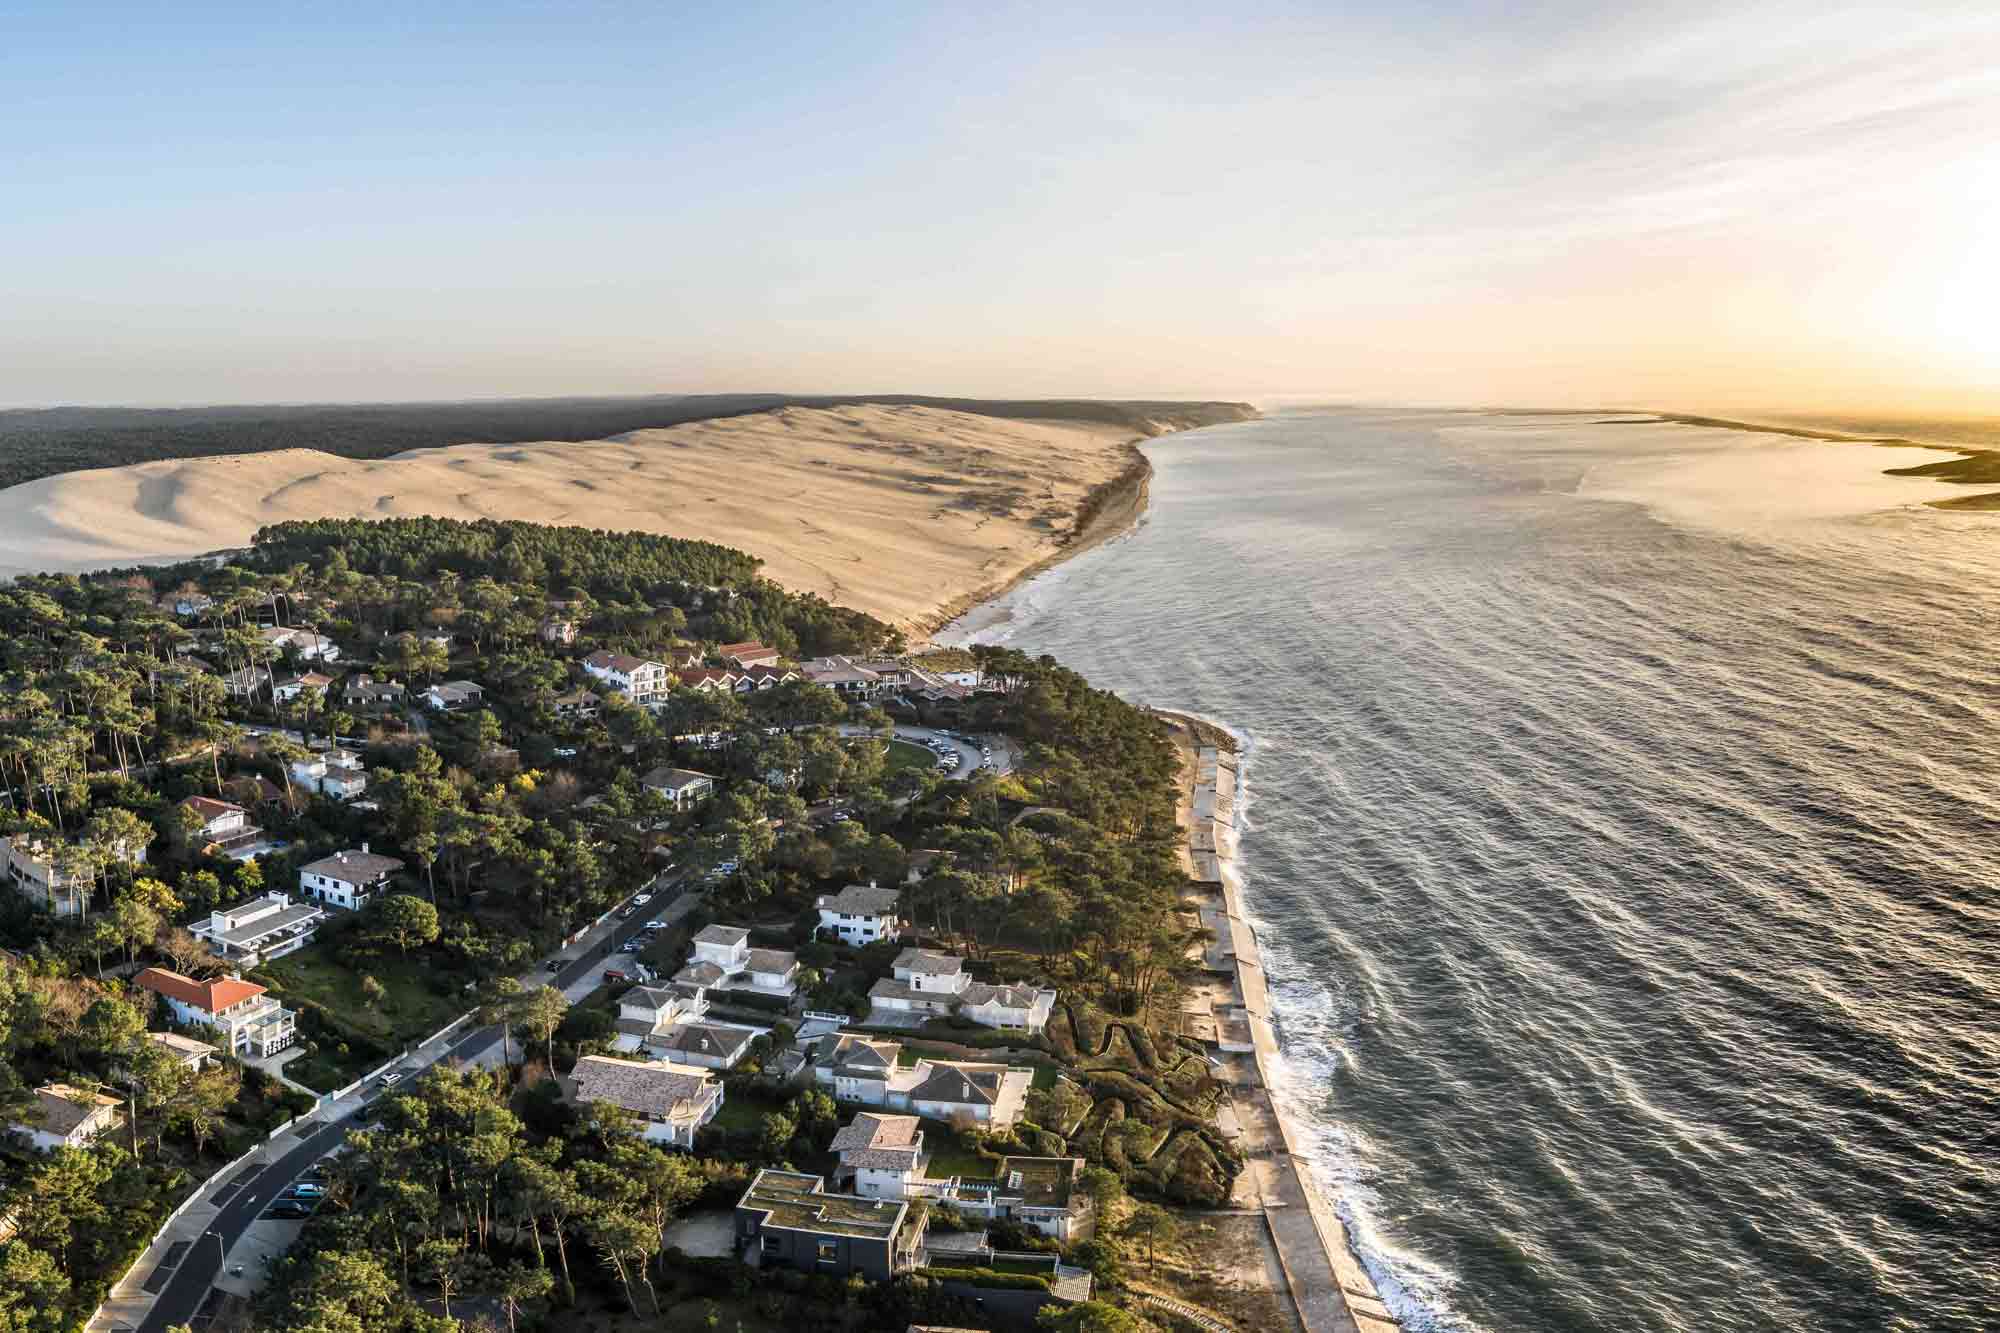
[(900, 511)]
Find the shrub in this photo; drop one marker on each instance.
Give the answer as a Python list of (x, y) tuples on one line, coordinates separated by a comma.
[(987, 1277)]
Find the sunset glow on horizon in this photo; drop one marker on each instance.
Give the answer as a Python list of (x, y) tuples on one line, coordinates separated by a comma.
[(1788, 206)]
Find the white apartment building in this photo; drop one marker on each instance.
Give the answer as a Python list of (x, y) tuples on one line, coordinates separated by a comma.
[(643, 681)]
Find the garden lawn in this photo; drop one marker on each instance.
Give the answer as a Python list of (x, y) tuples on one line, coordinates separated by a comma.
[(902, 755), (951, 1156), (408, 1011)]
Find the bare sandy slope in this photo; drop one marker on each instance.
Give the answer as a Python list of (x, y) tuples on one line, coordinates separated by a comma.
[(900, 511)]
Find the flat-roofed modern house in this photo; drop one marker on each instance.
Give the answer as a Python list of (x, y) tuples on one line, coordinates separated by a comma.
[(347, 879), (787, 1218), (250, 1021), (639, 679), (861, 914), (68, 1117), (225, 828), (682, 787), (883, 1157), (672, 1100), (268, 926)]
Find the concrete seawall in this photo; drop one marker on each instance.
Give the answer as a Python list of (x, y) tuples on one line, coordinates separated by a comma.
[(1330, 1288)]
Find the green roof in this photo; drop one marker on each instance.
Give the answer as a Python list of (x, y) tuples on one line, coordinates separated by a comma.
[(795, 1201)]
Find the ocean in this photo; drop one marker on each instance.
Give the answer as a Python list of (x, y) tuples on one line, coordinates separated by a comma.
[(1623, 835)]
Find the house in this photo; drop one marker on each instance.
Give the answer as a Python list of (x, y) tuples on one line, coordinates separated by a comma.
[(682, 787), (667, 1022), (35, 869), (251, 1022), (880, 1155), (225, 828), (752, 679), (748, 654), (682, 659), (709, 680), (928, 982), (844, 676), (883, 1157), (558, 630), (347, 879), (639, 679), (269, 926), (364, 691), (294, 687), (246, 683), (787, 1218), (1007, 1006), (251, 789), (187, 605), (578, 703), (868, 1071), (454, 696), (69, 1117), (861, 914), (194, 1056), (723, 960), (335, 773), (672, 1100), (309, 644)]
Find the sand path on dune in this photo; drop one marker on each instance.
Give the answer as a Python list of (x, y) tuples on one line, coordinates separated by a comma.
[(898, 511)]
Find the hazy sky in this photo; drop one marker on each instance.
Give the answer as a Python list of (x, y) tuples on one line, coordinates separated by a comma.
[(1684, 204)]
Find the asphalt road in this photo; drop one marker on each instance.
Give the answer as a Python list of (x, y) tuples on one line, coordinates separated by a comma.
[(188, 1288)]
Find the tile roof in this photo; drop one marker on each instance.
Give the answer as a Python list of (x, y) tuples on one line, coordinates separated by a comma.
[(210, 808), (209, 996), (929, 962), (973, 1085), (61, 1115), (699, 974), (770, 960), (656, 1088), (869, 1130), (855, 1055), (978, 994), (861, 900), (179, 1045), (720, 934), (719, 1039), (674, 779), (353, 867)]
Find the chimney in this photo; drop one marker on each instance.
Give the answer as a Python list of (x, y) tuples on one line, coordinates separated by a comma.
[(364, 847)]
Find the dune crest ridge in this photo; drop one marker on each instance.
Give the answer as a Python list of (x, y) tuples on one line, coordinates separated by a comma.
[(900, 511)]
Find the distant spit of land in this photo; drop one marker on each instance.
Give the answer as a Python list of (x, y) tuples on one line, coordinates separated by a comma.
[(910, 509), (1976, 441)]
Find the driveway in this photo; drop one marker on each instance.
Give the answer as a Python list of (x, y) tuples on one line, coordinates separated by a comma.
[(964, 745)]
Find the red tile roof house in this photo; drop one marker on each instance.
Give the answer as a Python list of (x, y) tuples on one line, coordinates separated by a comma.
[(749, 654), (709, 680), (250, 1021)]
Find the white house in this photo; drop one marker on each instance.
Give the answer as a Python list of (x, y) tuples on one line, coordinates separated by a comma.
[(723, 960), (336, 773), (639, 679), (364, 691), (866, 1070), (310, 645), (292, 687), (752, 679), (929, 982), (671, 1100), (682, 787), (667, 1023), (844, 676), (225, 827), (454, 696), (748, 654), (881, 1155), (250, 1021), (347, 879), (270, 926), (1010, 1006), (69, 1117), (861, 914)]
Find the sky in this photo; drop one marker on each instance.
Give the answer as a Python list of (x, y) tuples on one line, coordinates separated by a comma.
[(1702, 206)]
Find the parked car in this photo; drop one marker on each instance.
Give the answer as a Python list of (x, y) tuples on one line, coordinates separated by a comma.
[(630, 946), (291, 1209), (565, 752), (391, 1080), (617, 974), (641, 899), (555, 965), (304, 1190)]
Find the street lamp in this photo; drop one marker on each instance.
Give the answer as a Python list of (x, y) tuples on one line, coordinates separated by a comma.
[(221, 1255)]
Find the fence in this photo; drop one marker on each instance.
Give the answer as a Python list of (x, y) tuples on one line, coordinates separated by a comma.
[(841, 1020)]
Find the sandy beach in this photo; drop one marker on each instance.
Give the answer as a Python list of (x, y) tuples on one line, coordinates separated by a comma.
[(910, 513)]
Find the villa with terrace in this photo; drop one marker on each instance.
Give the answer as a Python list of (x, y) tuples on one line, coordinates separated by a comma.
[(723, 960), (671, 1100), (347, 879), (868, 1071), (861, 914), (927, 982), (788, 1218), (268, 926), (225, 828), (252, 1024), (336, 773)]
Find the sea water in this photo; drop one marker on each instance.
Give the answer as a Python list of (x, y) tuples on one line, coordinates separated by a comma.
[(1624, 848)]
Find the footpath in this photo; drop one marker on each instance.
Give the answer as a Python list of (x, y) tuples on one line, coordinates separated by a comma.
[(219, 1237), (1330, 1289)]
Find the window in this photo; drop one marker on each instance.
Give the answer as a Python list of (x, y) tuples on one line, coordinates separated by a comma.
[(772, 1244), (829, 1252)]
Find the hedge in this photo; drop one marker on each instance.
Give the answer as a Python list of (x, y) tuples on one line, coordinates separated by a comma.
[(988, 1277)]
